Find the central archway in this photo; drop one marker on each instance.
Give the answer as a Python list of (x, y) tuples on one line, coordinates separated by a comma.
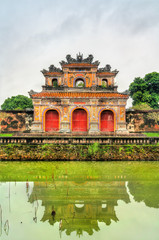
[(107, 121), (79, 83), (79, 120), (51, 121)]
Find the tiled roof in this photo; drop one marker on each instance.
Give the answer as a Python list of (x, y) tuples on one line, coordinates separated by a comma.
[(106, 73), (78, 95), (53, 73), (79, 64)]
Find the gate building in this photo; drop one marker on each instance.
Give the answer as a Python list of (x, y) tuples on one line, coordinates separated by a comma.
[(79, 98)]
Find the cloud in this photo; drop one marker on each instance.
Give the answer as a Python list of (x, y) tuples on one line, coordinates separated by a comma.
[(35, 34)]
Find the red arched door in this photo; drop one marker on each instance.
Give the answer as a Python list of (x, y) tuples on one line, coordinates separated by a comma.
[(51, 121), (107, 121), (79, 120)]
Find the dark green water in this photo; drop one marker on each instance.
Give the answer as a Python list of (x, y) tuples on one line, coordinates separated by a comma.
[(86, 200)]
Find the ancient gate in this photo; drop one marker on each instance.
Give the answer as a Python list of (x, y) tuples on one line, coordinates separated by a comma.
[(107, 121), (79, 120), (51, 121)]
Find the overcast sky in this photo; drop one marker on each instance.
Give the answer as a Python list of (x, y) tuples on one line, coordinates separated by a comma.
[(37, 33)]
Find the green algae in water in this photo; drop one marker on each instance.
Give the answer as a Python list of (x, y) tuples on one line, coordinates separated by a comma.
[(86, 200)]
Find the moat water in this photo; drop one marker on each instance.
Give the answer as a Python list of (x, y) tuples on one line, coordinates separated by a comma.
[(86, 200)]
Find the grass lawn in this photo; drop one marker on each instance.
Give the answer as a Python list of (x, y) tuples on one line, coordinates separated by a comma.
[(6, 134), (152, 134)]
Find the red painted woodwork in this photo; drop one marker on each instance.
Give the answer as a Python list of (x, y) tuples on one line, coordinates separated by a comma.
[(107, 121), (51, 121), (79, 120)]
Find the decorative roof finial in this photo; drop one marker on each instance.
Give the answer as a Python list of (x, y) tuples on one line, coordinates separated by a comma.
[(79, 59)]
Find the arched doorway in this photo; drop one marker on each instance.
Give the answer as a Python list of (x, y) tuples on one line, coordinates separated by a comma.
[(107, 121), (104, 83), (79, 120), (54, 82), (51, 121), (79, 83)]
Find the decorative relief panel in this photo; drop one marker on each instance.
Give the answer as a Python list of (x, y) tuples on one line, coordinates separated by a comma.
[(65, 113), (94, 102), (78, 75), (49, 81), (59, 80), (88, 82), (122, 114), (36, 102), (78, 103), (94, 113), (36, 113), (70, 83), (65, 101), (49, 102), (82, 101), (121, 102)]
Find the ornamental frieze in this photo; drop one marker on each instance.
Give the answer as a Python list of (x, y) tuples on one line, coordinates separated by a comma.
[(81, 100), (51, 101)]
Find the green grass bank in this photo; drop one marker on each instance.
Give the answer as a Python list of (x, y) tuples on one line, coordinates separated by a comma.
[(94, 152)]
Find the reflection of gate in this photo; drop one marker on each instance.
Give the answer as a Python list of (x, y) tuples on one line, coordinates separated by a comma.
[(79, 120), (51, 121), (107, 121)]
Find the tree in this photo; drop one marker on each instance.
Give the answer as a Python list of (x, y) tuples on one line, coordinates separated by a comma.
[(146, 90), (18, 102)]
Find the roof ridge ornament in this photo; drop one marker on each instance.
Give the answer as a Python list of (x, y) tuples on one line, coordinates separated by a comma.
[(79, 59), (107, 68), (52, 68)]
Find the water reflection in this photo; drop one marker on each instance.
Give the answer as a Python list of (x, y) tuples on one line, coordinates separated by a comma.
[(65, 200), (80, 206), (145, 191)]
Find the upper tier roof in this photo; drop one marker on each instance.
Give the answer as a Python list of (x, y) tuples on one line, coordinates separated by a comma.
[(79, 59), (78, 95), (79, 62)]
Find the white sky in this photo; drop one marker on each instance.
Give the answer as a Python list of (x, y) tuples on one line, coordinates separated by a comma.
[(37, 33)]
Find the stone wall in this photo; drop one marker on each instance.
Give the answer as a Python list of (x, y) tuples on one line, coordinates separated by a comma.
[(137, 121), (142, 121), (16, 120)]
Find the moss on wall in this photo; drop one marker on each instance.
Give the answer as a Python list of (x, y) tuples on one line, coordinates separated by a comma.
[(15, 121), (142, 121), (95, 152)]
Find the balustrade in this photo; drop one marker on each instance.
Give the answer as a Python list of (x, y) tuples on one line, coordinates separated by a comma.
[(79, 140)]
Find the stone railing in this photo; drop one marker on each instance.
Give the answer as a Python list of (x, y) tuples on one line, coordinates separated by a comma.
[(108, 140)]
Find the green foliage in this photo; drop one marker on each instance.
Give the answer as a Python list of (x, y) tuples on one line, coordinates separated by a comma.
[(94, 148), (6, 134), (18, 102), (152, 134), (81, 84), (146, 90), (129, 149), (94, 151), (142, 106), (55, 84), (104, 85), (120, 149), (45, 146)]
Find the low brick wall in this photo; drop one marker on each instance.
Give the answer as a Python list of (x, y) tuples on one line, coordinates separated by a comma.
[(142, 121), (15, 121), (21, 121)]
